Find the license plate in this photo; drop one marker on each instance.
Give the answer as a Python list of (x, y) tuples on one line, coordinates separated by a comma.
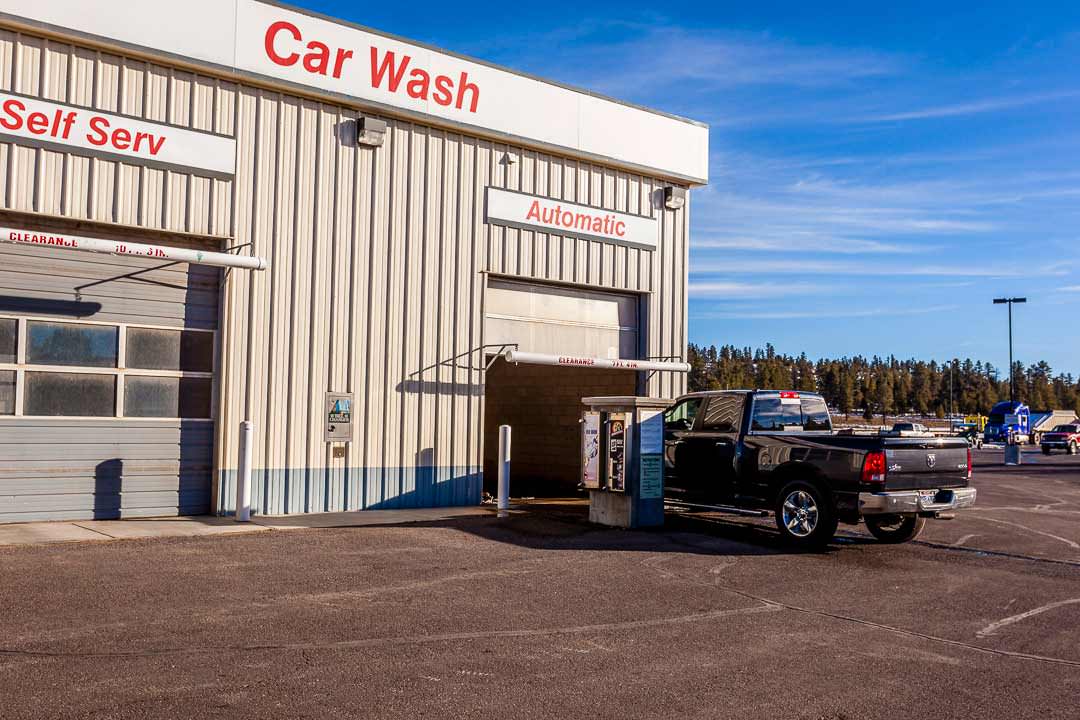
[(926, 497)]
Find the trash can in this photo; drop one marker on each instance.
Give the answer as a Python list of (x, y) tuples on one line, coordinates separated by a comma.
[(1013, 454)]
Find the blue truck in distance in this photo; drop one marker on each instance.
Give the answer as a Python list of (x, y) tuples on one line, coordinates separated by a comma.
[(1008, 417)]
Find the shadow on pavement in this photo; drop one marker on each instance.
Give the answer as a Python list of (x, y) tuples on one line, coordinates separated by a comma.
[(552, 526)]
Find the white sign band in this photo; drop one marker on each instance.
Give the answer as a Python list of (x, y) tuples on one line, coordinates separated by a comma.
[(124, 138), (564, 218), (21, 236), (299, 47)]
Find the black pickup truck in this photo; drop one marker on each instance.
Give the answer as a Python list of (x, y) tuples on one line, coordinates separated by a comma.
[(777, 451)]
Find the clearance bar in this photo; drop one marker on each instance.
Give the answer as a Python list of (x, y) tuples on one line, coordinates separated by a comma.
[(517, 356), (116, 247)]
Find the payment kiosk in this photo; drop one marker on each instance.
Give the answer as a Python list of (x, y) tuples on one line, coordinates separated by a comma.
[(622, 460)]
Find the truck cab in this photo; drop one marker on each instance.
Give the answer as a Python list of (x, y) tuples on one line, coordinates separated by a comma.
[(1009, 420)]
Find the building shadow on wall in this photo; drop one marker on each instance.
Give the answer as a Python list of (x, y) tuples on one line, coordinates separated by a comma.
[(38, 306), (427, 387), (108, 484), (424, 485)]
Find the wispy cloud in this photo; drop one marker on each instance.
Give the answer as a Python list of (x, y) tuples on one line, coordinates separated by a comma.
[(1069, 288), (974, 107), (635, 60), (855, 270), (814, 314), (799, 241), (747, 290)]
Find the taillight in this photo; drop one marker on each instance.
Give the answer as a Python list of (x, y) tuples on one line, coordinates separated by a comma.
[(969, 464), (873, 468)]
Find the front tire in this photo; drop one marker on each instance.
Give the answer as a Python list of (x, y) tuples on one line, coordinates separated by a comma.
[(895, 529), (1046, 450), (805, 515)]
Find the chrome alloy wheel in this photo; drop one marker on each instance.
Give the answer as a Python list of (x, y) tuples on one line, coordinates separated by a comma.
[(800, 513)]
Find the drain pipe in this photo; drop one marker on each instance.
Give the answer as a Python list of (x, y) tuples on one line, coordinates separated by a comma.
[(243, 474), (504, 470)]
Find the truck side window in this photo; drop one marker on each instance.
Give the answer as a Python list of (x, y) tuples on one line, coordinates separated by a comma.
[(681, 417), (771, 414), (815, 414), (724, 414)]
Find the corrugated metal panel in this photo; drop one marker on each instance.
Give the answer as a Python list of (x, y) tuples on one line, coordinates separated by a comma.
[(59, 469), (55, 282), (377, 270)]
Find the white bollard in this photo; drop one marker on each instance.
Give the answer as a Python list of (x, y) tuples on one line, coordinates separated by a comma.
[(504, 468), (243, 474)]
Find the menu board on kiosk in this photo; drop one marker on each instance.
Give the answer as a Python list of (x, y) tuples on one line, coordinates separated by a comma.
[(616, 452)]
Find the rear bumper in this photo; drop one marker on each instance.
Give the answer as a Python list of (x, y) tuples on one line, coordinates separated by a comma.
[(915, 501)]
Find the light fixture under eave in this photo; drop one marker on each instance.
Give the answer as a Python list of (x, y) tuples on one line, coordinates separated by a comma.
[(674, 197), (370, 131)]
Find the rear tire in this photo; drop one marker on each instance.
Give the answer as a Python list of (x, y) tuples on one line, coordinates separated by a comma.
[(805, 515), (894, 529)]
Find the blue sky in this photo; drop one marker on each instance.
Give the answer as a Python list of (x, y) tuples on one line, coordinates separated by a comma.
[(879, 172)]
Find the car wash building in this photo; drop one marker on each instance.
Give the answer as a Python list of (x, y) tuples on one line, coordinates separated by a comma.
[(374, 251)]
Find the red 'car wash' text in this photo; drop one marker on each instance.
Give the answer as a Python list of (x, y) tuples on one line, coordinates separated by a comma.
[(58, 126), (285, 45)]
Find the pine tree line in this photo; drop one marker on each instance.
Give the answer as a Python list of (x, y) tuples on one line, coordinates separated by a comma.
[(883, 385)]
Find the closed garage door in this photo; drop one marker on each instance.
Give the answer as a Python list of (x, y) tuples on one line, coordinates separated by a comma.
[(561, 321), (106, 385)]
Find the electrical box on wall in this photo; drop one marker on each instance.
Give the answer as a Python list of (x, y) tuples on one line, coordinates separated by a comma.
[(338, 417)]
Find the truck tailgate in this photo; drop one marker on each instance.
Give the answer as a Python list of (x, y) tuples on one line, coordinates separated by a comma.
[(919, 464)]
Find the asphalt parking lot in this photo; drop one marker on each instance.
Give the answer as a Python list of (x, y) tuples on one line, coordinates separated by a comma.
[(541, 615)]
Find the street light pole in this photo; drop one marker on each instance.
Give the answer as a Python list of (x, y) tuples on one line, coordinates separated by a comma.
[(1009, 302)]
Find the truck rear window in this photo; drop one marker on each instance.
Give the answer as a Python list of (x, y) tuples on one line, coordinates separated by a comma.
[(771, 414), (815, 414)]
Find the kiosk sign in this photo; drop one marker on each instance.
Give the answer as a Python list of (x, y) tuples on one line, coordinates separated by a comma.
[(617, 452), (651, 455), (590, 450)]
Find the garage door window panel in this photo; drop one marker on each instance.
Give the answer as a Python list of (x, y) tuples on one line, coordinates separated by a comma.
[(167, 397), (179, 350), (70, 395), (49, 343), (7, 392), (9, 340)]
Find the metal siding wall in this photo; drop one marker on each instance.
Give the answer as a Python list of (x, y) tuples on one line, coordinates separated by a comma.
[(60, 183), (376, 283)]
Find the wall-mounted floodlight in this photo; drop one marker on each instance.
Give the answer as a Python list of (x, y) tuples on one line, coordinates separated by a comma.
[(370, 131), (674, 197)]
